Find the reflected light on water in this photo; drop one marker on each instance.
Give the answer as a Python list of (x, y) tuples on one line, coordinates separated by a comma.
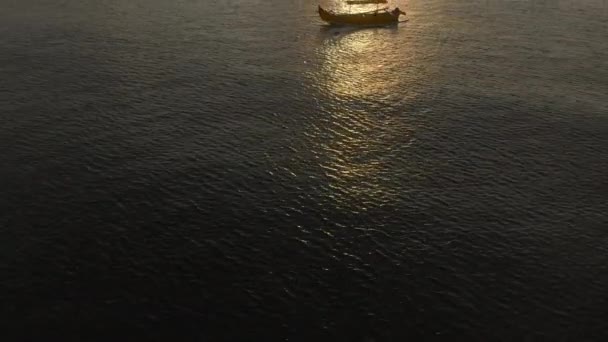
[(359, 134), (357, 64)]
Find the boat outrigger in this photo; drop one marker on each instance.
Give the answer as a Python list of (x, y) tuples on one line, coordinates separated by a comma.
[(376, 17), (365, 2)]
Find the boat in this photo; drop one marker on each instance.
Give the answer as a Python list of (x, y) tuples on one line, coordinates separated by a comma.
[(364, 2), (372, 18)]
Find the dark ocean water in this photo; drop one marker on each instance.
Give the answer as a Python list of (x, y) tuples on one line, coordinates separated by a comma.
[(234, 170)]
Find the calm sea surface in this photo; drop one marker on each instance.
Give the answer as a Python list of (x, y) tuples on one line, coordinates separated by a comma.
[(235, 170)]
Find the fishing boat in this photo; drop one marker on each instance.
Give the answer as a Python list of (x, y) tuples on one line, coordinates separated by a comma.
[(372, 18), (365, 2)]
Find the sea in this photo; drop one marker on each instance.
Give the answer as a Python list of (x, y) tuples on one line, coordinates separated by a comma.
[(237, 170)]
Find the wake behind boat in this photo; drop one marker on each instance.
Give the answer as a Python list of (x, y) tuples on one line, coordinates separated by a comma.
[(376, 17)]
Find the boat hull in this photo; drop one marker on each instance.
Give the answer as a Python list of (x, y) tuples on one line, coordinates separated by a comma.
[(369, 19)]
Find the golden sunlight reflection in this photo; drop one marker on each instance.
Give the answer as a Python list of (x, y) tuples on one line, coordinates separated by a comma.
[(355, 64), (359, 134)]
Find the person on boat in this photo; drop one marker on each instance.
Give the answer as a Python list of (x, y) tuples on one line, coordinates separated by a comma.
[(397, 11)]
